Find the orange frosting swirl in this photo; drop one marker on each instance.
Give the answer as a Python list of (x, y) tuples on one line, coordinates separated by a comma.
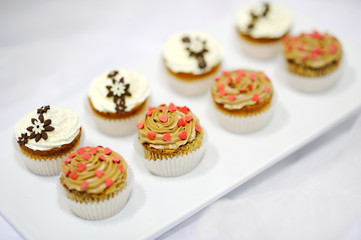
[(168, 127), (240, 88), (314, 50), (94, 170)]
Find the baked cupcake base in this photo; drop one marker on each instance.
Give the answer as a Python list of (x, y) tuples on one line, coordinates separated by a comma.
[(176, 166), (190, 88), (117, 127), (49, 166), (99, 210), (261, 50), (244, 124), (314, 84)]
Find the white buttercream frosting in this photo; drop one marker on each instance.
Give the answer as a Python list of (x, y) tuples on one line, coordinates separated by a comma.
[(66, 125), (275, 24), (138, 88), (177, 58)]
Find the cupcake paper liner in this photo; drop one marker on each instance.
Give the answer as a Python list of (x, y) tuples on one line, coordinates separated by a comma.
[(261, 50), (117, 127), (244, 124), (317, 84), (176, 166), (191, 88), (48, 167), (99, 210)]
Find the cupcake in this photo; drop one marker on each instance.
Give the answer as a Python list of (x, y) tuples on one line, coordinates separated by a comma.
[(95, 182), (117, 99), (171, 140), (45, 136), (192, 60), (242, 100), (313, 61), (261, 27)]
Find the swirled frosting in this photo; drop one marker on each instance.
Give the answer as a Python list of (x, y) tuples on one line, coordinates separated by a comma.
[(95, 170), (107, 90), (64, 126), (191, 52), (168, 127), (264, 20), (240, 88), (314, 49)]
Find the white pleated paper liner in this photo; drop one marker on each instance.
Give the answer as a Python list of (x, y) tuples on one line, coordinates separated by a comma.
[(261, 50), (317, 84), (244, 124), (48, 167), (99, 210), (116, 127), (176, 166), (191, 88)]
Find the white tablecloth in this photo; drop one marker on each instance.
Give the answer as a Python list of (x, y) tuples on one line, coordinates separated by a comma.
[(315, 193)]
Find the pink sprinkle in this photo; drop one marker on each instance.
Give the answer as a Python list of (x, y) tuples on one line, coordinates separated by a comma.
[(67, 160), (317, 50), (81, 167), (83, 185), (102, 157), (267, 89), (216, 79), (225, 73), (333, 48), (71, 155), (197, 127), (99, 173), (183, 135), (151, 135), (108, 182), (94, 150), (231, 97), (121, 168), (140, 125), (241, 73), (250, 86), (181, 122), (301, 47), (184, 110), (314, 55), (295, 39), (80, 151), (304, 56), (166, 137), (74, 175), (188, 118), (149, 113), (151, 108), (220, 86), (66, 174), (171, 108), (86, 156), (163, 118), (253, 77), (222, 93), (242, 90), (238, 79), (116, 159), (289, 48), (255, 97), (107, 151), (229, 81)]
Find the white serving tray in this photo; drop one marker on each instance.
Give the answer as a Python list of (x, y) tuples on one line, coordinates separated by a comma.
[(30, 203)]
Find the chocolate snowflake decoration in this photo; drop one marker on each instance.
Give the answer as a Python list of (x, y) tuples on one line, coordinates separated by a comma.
[(43, 109), (23, 139), (118, 90), (196, 48), (39, 128), (255, 17)]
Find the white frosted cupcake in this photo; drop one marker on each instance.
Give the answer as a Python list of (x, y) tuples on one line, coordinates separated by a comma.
[(192, 60), (117, 98), (242, 100), (171, 140), (95, 182), (45, 136), (261, 27)]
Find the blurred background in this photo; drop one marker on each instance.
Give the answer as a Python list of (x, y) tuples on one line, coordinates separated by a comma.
[(52, 49)]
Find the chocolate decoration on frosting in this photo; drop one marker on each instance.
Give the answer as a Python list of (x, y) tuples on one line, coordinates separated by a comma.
[(118, 90), (196, 48), (38, 128), (255, 17)]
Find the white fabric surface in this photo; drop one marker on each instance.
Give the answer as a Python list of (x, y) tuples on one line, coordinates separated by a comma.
[(314, 193)]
